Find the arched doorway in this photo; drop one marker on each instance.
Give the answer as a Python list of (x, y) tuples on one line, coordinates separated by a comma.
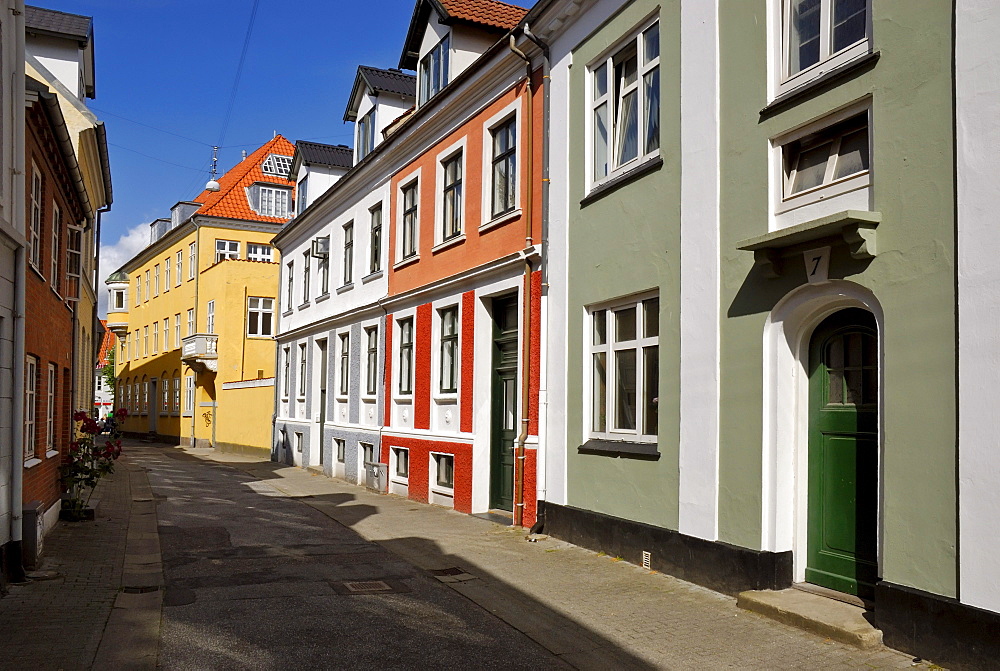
[(842, 537)]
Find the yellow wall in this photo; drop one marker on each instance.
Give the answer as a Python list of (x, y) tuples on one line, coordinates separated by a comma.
[(233, 431)]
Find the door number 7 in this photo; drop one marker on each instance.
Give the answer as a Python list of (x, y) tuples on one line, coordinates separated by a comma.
[(817, 262)]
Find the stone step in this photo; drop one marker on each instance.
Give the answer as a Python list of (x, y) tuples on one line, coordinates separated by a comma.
[(820, 615)]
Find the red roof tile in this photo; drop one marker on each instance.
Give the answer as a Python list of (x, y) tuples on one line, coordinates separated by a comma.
[(107, 345), (486, 12), (230, 201)]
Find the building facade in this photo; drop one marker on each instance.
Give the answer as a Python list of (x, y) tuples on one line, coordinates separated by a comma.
[(104, 393)]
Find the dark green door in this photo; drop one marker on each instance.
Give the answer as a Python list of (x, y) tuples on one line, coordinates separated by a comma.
[(503, 422), (843, 453)]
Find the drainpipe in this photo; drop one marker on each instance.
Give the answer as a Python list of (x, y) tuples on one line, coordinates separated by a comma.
[(15, 569), (519, 452)]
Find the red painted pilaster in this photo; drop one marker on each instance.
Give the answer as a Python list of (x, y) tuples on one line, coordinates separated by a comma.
[(387, 401), (468, 358), (534, 355), (422, 355)]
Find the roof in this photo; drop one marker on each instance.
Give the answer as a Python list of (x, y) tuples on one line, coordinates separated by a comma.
[(230, 201), (107, 345), (40, 20), (378, 81), (117, 276), (491, 15), (314, 153)]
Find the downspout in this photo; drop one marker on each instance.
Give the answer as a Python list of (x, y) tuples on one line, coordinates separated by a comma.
[(15, 569), (194, 392), (519, 452)]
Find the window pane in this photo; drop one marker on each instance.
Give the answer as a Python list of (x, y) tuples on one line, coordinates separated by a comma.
[(803, 35), (650, 389), (848, 22), (628, 128), (600, 392), (600, 327), (601, 141), (853, 156), (651, 110), (651, 43), (265, 324), (651, 317), (625, 389), (811, 168), (626, 68), (625, 324), (600, 81)]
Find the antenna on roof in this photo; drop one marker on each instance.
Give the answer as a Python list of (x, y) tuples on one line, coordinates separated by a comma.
[(213, 185)]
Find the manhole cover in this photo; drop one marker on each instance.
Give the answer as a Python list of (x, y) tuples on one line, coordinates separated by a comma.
[(359, 587), (141, 590), (454, 570)]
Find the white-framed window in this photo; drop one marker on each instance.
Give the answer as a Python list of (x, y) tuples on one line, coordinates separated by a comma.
[(401, 463), (165, 396), (50, 407), (210, 317), (118, 299), (35, 218), (405, 356), (192, 260), (166, 274), (409, 220), (30, 405), (368, 453), (56, 245), (451, 196), (624, 87), (286, 371), (146, 294), (123, 348), (273, 201), (301, 201), (434, 69), (156, 337), (348, 252), (302, 371), (323, 269), (145, 397), (190, 320), (825, 160), (624, 370), (819, 35), (449, 350), (260, 316), (74, 261), (290, 284), (259, 252), (166, 334), (156, 280), (145, 341), (503, 170), (138, 290), (226, 249), (277, 165), (375, 240), (444, 470), (179, 267), (371, 361), (177, 330), (137, 349), (366, 134), (177, 395), (306, 273), (341, 449), (189, 395), (345, 364)]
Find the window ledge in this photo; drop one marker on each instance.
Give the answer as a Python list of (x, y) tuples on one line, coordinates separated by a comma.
[(856, 228), (287, 313), (407, 261), (446, 398), (30, 463), (303, 304), (51, 453), (613, 184), (813, 86), (620, 448), (322, 297), (443, 491), (371, 277), (403, 400), (450, 242), (345, 288), (500, 220)]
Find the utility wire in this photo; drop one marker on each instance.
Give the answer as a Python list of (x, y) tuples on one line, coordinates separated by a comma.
[(156, 158), (239, 73), (146, 125)]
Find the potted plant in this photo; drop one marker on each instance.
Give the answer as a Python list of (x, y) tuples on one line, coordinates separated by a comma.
[(88, 461)]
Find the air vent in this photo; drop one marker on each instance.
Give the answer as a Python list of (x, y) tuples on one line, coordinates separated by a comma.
[(645, 559)]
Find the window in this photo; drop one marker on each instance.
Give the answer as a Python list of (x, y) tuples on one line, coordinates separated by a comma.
[(406, 356), (179, 267), (818, 30), (192, 259), (345, 363), (30, 400), (226, 249), (190, 321), (145, 397), (166, 334), (285, 372), (504, 167), (625, 115), (434, 70), (166, 274), (177, 395), (366, 134), (624, 347), (371, 362), (273, 202), (302, 371), (277, 165), (341, 449), (165, 396), (402, 459), (145, 341), (138, 290), (368, 452), (56, 239), (210, 317), (123, 351), (324, 268), (410, 220), (156, 337), (451, 214), (375, 243), (50, 407), (445, 467), (146, 294), (449, 350), (290, 287), (826, 157), (137, 354), (260, 316), (35, 234), (118, 299), (258, 252), (300, 199), (306, 263), (348, 252), (177, 330), (74, 261), (156, 280), (189, 394)]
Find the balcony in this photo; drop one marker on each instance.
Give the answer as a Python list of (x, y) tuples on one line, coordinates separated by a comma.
[(200, 351)]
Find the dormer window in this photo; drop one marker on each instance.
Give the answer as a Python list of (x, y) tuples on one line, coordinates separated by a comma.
[(270, 200), (434, 70), (366, 134), (277, 165)]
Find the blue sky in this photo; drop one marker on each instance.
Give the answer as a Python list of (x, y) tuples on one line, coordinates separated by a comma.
[(170, 65)]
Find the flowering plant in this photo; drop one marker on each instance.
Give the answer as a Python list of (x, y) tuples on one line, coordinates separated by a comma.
[(89, 461)]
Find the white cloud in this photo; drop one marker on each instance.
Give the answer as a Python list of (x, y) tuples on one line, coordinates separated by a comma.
[(113, 256)]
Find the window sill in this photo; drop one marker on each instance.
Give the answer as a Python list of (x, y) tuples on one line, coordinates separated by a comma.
[(31, 463), (51, 453), (821, 82), (443, 491), (500, 220), (287, 313), (400, 481), (407, 261), (446, 398), (613, 184), (345, 288), (302, 305), (620, 448), (323, 297), (403, 400), (371, 277), (38, 272), (824, 192), (450, 242), (263, 336)]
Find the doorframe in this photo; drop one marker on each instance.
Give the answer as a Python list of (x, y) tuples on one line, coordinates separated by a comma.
[(785, 436)]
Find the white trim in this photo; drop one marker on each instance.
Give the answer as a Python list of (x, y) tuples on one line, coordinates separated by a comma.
[(409, 180), (249, 384), (439, 160), (511, 109)]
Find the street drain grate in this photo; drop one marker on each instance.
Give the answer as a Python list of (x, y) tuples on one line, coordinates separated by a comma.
[(368, 586), (141, 590), (454, 570), (453, 574), (360, 587)]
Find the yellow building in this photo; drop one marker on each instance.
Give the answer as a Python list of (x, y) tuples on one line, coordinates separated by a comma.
[(195, 311)]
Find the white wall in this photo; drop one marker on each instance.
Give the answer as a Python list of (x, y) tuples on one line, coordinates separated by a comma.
[(977, 88), (62, 57), (318, 180)]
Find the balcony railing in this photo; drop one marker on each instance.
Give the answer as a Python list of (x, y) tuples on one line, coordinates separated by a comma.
[(200, 351)]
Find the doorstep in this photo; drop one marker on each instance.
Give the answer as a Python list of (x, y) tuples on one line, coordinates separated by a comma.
[(820, 615)]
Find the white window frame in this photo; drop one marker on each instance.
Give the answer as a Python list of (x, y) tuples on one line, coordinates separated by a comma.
[(344, 367), (74, 261), (138, 290), (323, 269), (609, 348), (35, 218), (166, 274), (190, 321), (146, 293), (439, 56), (56, 245), (166, 334), (177, 330), (455, 150), (156, 337), (371, 361), (50, 408), (365, 141), (188, 395), (210, 317), (261, 307), (411, 181), (502, 116), (376, 241), (192, 259), (348, 270), (165, 396), (177, 396), (119, 299), (306, 275), (179, 267), (227, 250), (613, 98), (435, 483), (400, 391), (274, 201), (286, 372), (30, 406), (145, 341), (394, 454), (787, 81), (456, 362), (259, 251), (277, 165), (303, 365), (290, 284), (156, 280)]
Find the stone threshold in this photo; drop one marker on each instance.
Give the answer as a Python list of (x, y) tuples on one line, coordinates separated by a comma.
[(816, 613)]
